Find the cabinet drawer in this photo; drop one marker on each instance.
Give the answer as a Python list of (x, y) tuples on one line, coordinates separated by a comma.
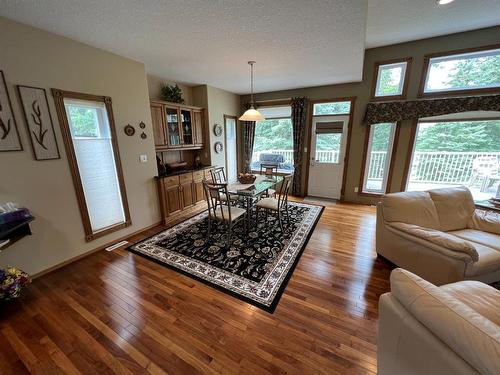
[(171, 181), (198, 175), (185, 178)]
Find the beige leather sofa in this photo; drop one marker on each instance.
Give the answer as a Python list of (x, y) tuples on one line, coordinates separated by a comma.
[(438, 235), (425, 329)]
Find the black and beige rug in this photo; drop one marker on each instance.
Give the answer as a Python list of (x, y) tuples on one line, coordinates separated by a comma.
[(255, 268)]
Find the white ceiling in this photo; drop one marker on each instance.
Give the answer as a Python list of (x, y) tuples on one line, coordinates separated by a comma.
[(296, 43), (395, 21)]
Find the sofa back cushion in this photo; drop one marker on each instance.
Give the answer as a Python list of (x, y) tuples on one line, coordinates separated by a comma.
[(455, 207), (411, 207), (471, 335)]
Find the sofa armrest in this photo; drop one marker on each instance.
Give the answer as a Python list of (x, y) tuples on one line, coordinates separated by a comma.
[(468, 333), (451, 245), (490, 224)]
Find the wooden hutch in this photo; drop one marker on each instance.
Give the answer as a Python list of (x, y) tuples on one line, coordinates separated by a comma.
[(179, 134)]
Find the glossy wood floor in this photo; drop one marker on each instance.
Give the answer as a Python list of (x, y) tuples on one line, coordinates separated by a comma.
[(115, 312)]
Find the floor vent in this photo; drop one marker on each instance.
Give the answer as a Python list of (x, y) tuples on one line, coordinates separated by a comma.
[(116, 245)]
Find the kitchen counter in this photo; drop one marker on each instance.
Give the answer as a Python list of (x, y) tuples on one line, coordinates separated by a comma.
[(186, 170)]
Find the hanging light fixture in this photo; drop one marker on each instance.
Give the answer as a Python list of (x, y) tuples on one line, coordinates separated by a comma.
[(251, 114)]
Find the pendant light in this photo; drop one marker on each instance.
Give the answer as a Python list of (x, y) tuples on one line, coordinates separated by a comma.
[(251, 114)]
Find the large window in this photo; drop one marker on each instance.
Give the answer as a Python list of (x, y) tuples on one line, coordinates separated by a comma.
[(454, 153), (378, 158), (89, 136), (391, 79), (273, 141), (451, 73)]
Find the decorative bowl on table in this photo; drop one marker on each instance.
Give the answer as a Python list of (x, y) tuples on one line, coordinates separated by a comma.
[(246, 178)]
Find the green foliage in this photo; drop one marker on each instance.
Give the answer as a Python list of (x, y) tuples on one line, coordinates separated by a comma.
[(389, 81), (336, 108), (484, 71), (380, 140), (273, 134), (84, 121), (474, 136), (172, 93)]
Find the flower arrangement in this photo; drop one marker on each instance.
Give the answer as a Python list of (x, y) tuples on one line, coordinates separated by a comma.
[(12, 282)]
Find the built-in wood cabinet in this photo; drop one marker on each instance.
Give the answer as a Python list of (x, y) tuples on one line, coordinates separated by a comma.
[(182, 194), (176, 126)]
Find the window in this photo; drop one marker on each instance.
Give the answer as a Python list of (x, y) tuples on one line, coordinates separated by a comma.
[(333, 108), (89, 136), (377, 159), (328, 141), (391, 79), (454, 72), (456, 152), (273, 142)]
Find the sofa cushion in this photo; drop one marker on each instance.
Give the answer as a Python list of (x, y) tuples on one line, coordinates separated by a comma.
[(465, 331), (477, 236), (489, 261), (479, 296), (454, 206), (485, 223), (412, 207)]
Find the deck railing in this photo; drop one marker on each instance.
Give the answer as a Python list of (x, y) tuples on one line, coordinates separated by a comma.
[(427, 167)]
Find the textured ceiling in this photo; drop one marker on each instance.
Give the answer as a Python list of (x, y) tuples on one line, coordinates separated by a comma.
[(395, 21), (296, 43)]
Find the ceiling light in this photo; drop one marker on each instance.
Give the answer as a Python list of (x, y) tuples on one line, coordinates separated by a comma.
[(444, 2), (251, 114)]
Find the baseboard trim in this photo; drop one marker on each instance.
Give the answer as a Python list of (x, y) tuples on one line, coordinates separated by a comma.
[(90, 252)]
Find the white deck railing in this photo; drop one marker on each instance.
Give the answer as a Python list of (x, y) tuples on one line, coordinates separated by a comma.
[(427, 167)]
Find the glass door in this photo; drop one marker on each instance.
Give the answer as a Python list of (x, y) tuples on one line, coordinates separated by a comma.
[(187, 127), (231, 150), (173, 131)]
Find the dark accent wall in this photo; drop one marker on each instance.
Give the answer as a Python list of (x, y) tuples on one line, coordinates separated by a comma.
[(362, 90)]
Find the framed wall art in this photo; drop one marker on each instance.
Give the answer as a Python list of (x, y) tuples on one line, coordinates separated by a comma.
[(39, 122), (9, 135)]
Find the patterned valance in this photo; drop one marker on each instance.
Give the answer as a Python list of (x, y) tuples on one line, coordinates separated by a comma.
[(378, 112)]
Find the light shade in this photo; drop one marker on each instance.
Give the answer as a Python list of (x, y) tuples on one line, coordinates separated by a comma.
[(252, 114)]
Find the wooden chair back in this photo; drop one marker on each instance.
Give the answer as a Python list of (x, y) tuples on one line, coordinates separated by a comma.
[(284, 191), (213, 194), (269, 170), (218, 175)]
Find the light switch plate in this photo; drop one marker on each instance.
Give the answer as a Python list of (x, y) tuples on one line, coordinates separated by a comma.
[(143, 158)]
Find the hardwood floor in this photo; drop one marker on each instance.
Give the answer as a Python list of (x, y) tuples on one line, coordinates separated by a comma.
[(115, 312)]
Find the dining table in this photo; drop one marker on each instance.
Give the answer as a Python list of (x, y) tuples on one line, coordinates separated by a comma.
[(252, 192)]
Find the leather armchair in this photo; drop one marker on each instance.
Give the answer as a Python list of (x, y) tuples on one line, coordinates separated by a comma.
[(425, 329)]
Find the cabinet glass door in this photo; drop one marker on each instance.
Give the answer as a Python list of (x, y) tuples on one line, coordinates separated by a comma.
[(187, 127), (173, 132)]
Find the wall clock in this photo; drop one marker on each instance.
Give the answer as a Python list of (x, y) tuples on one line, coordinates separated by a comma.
[(218, 146), (218, 130)]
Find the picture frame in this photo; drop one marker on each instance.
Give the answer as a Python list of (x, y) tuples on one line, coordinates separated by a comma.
[(39, 122), (9, 134)]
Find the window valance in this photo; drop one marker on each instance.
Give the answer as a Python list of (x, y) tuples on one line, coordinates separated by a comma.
[(379, 112)]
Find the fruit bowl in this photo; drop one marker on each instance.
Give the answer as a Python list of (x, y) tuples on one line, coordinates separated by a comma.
[(246, 178)]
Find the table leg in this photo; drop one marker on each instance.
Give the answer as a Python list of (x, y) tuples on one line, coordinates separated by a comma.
[(249, 211)]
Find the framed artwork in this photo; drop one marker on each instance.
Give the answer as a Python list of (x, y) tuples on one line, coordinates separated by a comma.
[(9, 135), (39, 122)]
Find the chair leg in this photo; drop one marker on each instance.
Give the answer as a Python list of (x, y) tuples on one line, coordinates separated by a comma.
[(279, 219), (287, 215)]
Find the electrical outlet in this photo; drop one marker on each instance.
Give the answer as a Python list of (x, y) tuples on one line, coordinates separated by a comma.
[(143, 158), (356, 189)]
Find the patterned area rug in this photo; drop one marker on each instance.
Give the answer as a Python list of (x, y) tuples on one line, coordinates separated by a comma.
[(255, 268)]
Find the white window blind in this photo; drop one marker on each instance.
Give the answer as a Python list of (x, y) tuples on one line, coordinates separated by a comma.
[(91, 136)]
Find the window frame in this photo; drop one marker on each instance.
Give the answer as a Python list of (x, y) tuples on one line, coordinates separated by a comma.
[(393, 151), (425, 72), (406, 79), (59, 96)]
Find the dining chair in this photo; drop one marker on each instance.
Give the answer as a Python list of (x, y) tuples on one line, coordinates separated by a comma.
[(219, 177), (219, 211), (270, 171), (279, 205)]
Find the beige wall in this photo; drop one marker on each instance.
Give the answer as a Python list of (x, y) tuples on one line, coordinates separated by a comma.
[(217, 103), (154, 88), (30, 56), (362, 91)]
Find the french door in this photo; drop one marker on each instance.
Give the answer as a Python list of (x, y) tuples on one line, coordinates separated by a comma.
[(231, 150)]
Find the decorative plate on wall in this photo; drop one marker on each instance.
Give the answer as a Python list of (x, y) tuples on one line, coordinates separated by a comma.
[(129, 130), (218, 130), (219, 147)]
